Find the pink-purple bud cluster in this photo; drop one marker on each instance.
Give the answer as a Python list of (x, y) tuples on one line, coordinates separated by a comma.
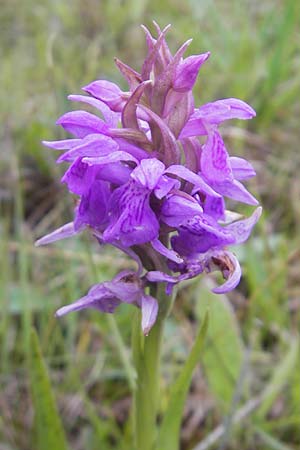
[(147, 185)]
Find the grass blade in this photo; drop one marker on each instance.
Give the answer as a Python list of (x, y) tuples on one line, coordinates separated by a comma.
[(49, 429)]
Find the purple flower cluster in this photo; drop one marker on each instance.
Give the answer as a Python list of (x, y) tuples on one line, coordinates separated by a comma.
[(148, 186)]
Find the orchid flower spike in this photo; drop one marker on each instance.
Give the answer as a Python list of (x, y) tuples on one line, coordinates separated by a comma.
[(147, 185)]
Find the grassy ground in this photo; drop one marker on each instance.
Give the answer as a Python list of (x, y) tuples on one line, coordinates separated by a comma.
[(246, 393)]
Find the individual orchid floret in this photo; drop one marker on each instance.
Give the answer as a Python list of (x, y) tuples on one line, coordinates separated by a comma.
[(152, 175), (223, 261), (126, 287)]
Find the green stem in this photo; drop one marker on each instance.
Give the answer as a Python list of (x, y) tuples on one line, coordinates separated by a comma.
[(146, 354)]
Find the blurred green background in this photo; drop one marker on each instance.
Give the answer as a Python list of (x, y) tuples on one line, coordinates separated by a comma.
[(248, 381)]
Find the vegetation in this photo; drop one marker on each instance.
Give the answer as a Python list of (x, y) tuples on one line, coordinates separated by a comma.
[(73, 375)]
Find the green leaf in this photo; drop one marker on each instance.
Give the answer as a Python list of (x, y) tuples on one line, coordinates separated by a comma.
[(168, 438), (224, 353), (49, 430)]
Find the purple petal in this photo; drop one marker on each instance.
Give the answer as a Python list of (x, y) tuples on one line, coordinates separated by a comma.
[(63, 232), (193, 178), (64, 144), (79, 177), (114, 172), (134, 150), (93, 206), (163, 250), (110, 158), (215, 163), (199, 234), (231, 271), (148, 172), (98, 297), (132, 220), (156, 276), (110, 117), (187, 72), (225, 109), (82, 123), (177, 208), (149, 313), (192, 152), (235, 190), (215, 113), (91, 146), (107, 92), (242, 169), (194, 127), (125, 287), (214, 206), (241, 229), (126, 291), (165, 185)]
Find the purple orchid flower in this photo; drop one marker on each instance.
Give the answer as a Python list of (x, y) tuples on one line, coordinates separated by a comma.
[(147, 185), (126, 287)]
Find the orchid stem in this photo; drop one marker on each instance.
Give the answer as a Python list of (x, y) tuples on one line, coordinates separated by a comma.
[(146, 355)]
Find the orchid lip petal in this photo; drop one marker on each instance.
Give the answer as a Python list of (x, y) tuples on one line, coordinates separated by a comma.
[(132, 220)]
